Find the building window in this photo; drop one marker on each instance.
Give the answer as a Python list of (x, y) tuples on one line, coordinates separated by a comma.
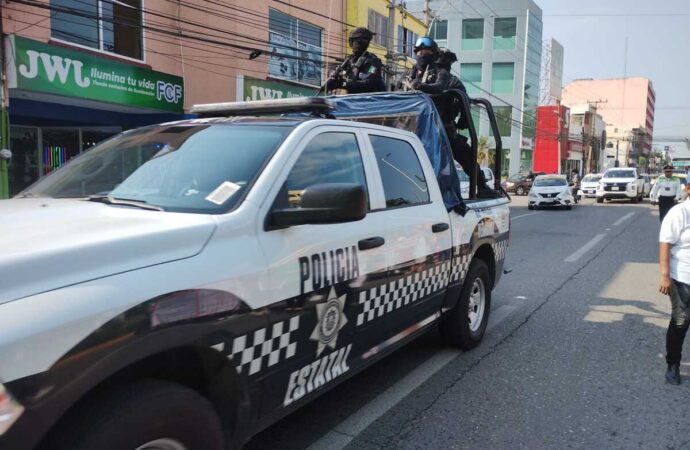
[(109, 26), (472, 34), (296, 49), (439, 32), (378, 23), (405, 41), (504, 116), (502, 77), (471, 75), (505, 31)]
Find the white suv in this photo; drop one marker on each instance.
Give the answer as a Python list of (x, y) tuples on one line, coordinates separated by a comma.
[(621, 183)]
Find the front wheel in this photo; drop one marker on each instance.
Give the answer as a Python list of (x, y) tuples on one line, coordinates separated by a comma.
[(520, 190), (146, 415), (633, 200), (464, 326), (600, 199), (530, 207)]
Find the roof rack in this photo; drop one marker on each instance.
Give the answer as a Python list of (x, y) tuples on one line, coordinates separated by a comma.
[(313, 105)]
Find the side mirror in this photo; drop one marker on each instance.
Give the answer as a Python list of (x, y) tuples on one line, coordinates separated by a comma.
[(571, 184), (323, 203)]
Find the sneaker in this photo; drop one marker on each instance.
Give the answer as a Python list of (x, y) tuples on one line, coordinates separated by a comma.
[(673, 374)]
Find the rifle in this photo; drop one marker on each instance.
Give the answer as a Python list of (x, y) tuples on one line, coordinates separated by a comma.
[(337, 74)]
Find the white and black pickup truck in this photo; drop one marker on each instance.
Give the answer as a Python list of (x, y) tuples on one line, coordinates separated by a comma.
[(184, 285)]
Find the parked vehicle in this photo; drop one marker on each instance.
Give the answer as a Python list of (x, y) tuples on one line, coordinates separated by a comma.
[(621, 183), (589, 185), (646, 185), (209, 276), (520, 183), (551, 191), (464, 181)]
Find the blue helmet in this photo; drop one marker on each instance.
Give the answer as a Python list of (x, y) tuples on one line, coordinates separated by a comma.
[(425, 42)]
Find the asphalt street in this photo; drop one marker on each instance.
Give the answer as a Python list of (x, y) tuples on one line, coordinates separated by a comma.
[(573, 357)]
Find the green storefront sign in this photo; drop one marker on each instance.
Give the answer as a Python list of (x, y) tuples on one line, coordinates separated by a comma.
[(40, 67), (256, 89)]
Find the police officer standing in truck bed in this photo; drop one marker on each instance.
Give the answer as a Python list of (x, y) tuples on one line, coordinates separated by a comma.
[(361, 71)]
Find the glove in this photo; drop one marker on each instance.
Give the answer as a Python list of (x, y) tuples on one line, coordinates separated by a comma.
[(333, 83)]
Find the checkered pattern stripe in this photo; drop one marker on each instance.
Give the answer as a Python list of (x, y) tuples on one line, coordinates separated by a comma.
[(461, 264), (500, 249), (265, 347), (388, 297)]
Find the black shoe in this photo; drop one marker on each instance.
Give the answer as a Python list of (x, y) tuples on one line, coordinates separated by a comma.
[(673, 374)]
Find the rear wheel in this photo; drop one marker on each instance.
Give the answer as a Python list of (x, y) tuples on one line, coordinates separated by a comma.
[(520, 190), (147, 415), (600, 199), (465, 325)]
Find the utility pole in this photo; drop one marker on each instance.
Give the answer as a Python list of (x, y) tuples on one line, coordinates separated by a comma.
[(558, 134), (390, 50), (426, 14)]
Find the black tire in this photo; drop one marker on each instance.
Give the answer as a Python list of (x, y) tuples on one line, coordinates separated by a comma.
[(530, 207), (600, 199), (569, 207), (455, 327), (520, 190), (127, 417), (633, 200)]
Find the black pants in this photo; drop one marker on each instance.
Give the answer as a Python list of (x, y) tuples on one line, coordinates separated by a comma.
[(665, 203), (680, 320)]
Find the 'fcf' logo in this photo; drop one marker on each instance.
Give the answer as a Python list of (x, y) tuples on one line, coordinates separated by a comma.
[(171, 93)]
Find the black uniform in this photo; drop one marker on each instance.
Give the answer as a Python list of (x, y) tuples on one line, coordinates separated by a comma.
[(359, 75), (432, 80)]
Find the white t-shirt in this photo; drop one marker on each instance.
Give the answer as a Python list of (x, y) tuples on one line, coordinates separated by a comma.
[(675, 230)]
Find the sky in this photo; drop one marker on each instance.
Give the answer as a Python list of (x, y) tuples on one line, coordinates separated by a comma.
[(593, 34)]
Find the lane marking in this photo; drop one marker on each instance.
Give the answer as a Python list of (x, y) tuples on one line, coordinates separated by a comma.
[(524, 215), (585, 248), (343, 433), (622, 219)]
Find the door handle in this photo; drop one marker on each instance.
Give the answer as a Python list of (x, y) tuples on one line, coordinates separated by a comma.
[(438, 227), (372, 242)]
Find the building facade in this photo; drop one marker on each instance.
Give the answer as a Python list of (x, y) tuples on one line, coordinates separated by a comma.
[(81, 71), (499, 47), (627, 107)]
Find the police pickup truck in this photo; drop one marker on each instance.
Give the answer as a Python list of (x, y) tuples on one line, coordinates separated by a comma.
[(185, 285)]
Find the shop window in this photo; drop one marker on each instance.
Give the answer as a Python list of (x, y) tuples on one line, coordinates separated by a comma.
[(23, 167), (502, 76), (472, 34), (378, 23), (296, 49), (59, 146), (505, 31), (114, 27), (89, 138), (471, 74)]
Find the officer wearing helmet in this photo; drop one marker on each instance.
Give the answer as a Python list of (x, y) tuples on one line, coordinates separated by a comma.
[(426, 76), (445, 60), (361, 71)]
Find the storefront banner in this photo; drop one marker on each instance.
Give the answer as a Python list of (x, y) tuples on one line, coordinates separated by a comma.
[(251, 89), (41, 67)]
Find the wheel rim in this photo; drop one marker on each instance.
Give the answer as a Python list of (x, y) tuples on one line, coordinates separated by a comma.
[(520, 190), (475, 311), (163, 444)]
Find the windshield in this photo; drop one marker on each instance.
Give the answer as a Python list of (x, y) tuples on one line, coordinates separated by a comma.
[(591, 178), (185, 168), (517, 177), (560, 181), (619, 174)]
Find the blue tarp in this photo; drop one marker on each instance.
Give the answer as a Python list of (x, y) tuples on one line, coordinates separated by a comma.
[(409, 110)]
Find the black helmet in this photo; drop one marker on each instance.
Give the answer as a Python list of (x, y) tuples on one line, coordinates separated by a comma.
[(446, 57), (667, 167), (425, 42), (361, 33)]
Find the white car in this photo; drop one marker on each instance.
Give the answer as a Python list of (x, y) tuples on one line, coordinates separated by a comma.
[(464, 181), (621, 183), (550, 190), (589, 185)]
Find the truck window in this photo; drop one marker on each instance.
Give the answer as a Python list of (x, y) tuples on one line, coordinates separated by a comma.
[(331, 157), (401, 173)]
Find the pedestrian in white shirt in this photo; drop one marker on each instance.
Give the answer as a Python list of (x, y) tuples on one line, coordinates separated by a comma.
[(666, 192), (674, 264)]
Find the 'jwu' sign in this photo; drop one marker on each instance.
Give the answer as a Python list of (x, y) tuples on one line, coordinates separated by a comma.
[(45, 68)]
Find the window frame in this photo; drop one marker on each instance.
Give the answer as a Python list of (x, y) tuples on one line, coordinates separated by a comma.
[(470, 84), (100, 49), (378, 204), (463, 38), (493, 78), (495, 37), (379, 19)]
